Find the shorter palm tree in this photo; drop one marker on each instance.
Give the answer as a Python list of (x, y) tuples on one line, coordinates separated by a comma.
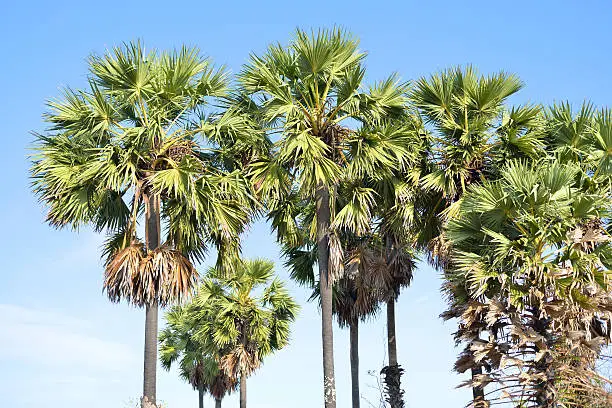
[(472, 134), (242, 317), (197, 364), (532, 252), (356, 298)]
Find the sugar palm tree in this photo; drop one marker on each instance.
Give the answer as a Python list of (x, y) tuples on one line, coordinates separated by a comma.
[(370, 205), (197, 363), (534, 254), (243, 317), (306, 93), (399, 228), (134, 146), (472, 133), (357, 298)]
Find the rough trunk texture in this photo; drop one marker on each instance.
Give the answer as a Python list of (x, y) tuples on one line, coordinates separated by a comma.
[(152, 234), (394, 395), (323, 221), (201, 398), (354, 333), (218, 403), (243, 390), (546, 393), (477, 391), (391, 340), (393, 372)]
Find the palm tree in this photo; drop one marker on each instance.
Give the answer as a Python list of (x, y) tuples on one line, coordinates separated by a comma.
[(399, 267), (136, 141), (305, 94), (471, 133), (398, 231), (376, 204), (197, 364), (356, 297), (242, 317), (532, 250)]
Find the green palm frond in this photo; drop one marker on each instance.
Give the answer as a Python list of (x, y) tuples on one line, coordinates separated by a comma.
[(241, 317), (143, 127)]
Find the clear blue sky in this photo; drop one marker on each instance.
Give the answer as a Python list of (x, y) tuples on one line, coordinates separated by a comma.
[(62, 344)]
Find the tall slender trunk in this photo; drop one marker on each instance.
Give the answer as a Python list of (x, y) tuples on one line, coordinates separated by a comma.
[(201, 397), (152, 234), (393, 372), (217, 402), (354, 333), (391, 340), (325, 285), (243, 390)]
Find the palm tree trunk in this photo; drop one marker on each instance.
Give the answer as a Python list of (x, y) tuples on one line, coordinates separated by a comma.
[(243, 390), (218, 403), (477, 391), (325, 285), (354, 333), (391, 341), (393, 372), (201, 397), (545, 390), (152, 233)]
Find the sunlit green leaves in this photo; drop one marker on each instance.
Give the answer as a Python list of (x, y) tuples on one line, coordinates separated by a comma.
[(132, 132), (519, 226), (240, 318)]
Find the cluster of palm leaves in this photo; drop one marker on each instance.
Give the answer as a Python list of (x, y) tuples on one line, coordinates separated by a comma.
[(525, 252), (223, 334), (357, 180)]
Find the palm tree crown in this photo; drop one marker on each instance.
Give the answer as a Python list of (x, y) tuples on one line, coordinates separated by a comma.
[(241, 318), (197, 364)]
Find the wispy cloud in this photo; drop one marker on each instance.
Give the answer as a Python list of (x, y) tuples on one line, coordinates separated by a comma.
[(55, 359), (48, 338)]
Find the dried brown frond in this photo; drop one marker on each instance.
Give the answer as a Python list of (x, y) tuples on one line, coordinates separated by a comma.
[(177, 273), (370, 266), (587, 235), (336, 257), (120, 271), (222, 385), (243, 357), (160, 277), (401, 268), (439, 252)]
